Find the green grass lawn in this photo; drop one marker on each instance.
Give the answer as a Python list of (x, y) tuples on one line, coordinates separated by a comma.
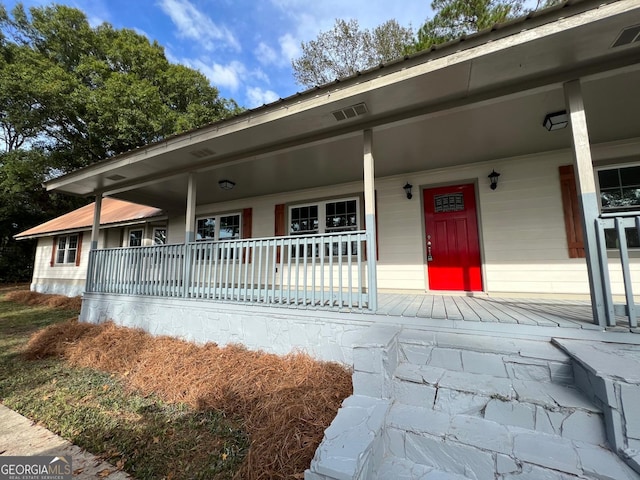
[(146, 437)]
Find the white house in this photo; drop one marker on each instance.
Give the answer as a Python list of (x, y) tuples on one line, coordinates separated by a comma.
[(376, 200), (534, 100), (62, 251)]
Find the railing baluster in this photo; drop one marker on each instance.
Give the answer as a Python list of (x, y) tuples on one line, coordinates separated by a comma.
[(297, 290), (331, 302), (626, 272), (280, 243), (289, 258), (313, 271), (322, 267), (350, 273), (292, 270), (360, 288), (274, 261)]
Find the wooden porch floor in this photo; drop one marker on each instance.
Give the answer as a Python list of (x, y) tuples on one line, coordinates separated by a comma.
[(541, 312)]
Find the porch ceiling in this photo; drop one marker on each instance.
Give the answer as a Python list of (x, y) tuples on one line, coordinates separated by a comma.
[(474, 104)]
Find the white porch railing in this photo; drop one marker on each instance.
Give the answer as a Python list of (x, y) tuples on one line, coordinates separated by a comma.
[(314, 270), (621, 225)]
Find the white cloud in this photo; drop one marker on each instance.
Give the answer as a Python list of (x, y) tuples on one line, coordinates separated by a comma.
[(312, 17), (227, 76), (256, 96), (268, 56), (195, 25), (290, 47), (265, 54)]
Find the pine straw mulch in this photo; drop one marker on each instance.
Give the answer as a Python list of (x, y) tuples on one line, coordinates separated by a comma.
[(27, 297), (285, 402)]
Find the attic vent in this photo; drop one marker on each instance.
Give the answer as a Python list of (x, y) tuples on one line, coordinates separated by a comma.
[(205, 152), (116, 177), (627, 36), (350, 112)]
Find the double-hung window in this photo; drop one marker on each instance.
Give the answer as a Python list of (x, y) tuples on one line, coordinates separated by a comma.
[(67, 249), (219, 228), (620, 192), (330, 216), (135, 237)]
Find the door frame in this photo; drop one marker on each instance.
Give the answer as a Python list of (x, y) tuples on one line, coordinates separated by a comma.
[(423, 236)]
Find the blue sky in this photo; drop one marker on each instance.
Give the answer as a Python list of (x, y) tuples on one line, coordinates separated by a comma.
[(244, 47)]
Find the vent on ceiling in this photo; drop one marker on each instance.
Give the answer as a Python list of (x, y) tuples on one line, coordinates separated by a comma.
[(205, 152), (350, 112), (627, 36), (116, 177)]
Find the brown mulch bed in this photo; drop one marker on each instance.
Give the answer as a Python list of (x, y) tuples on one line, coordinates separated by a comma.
[(27, 297), (284, 402)]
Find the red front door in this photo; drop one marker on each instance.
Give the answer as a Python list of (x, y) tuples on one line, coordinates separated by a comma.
[(453, 248)]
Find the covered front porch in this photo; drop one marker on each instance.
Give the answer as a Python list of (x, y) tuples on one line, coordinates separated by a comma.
[(437, 123)]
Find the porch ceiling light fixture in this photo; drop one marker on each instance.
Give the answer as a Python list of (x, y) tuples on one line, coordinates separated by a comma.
[(493, 178), (226, 184), (407, 189), (556, 120)]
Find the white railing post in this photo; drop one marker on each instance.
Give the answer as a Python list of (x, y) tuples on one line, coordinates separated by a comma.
[(370, 220), (587, 195)]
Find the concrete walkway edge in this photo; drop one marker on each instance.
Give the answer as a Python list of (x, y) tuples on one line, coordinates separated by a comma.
[(19, 436)]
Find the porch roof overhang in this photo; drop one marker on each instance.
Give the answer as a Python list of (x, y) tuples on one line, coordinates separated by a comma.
[(494, 88)]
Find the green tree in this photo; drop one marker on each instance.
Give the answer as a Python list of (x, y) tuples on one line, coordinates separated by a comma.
[(346, 50), (455, 18), (72, 94)]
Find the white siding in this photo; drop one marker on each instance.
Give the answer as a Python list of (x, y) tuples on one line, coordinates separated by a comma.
[(522, 231), (66, 279)]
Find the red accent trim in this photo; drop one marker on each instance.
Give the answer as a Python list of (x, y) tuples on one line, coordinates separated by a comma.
[(571, 211), (455, 244), (53, 251), (79, 249), (247, 224)]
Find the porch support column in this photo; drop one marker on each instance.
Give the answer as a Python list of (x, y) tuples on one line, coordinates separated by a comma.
[(370, 220), (95, 228), (190, 221), (587, 195)]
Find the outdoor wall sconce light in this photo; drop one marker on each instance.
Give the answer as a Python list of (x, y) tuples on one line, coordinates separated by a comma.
[(226, 184), (407, 189), (556, 121), (493, 177)]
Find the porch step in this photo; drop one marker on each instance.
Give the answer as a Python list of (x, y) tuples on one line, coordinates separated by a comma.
[(478, 448), (401, 469), (476, 409)]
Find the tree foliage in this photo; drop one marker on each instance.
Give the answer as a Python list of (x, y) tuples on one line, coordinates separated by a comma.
[(72, 94), (347, 49), (455, 18)]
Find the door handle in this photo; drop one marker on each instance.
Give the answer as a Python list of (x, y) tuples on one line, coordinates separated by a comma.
[(429, 256)]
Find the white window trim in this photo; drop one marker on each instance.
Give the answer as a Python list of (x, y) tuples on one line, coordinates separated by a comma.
[(322, 213), (66, 250), (217, 229), (613, 212), (133, 229)]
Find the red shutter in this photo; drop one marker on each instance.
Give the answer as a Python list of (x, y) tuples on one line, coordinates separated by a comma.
[(571, 209), (79, 249), (53, 252), (279, 226), (247, 224)]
